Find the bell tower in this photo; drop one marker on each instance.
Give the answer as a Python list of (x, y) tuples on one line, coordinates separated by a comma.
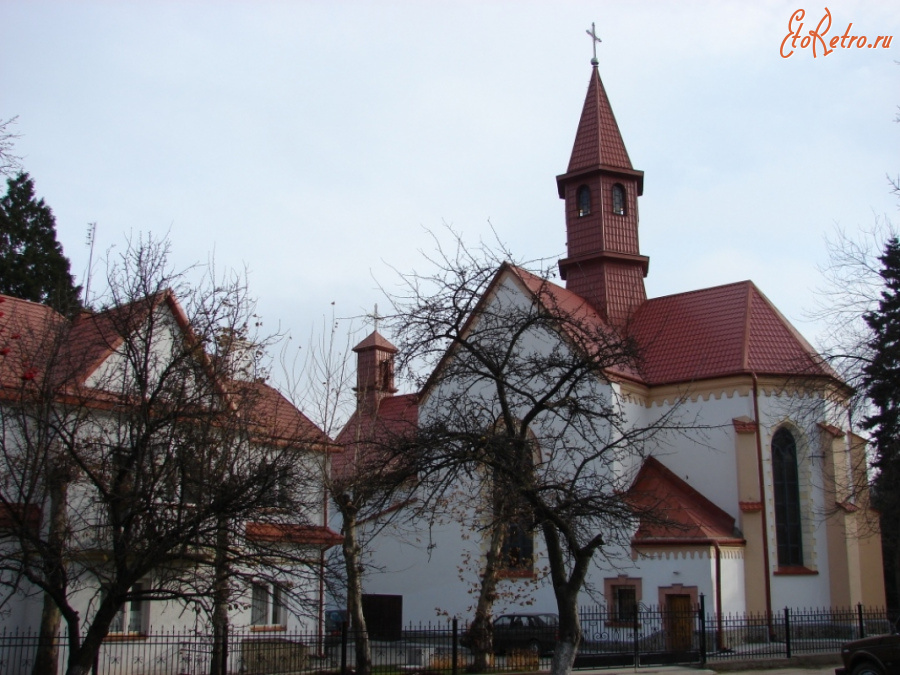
[(601, 189), (374, 371)]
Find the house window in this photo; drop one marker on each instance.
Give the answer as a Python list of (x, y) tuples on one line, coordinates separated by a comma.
[(788, 526), (583, 197), (618, 199), (517, 553), (622, 594), (625, 603), (132, 615), (267, 605), (278, 496)]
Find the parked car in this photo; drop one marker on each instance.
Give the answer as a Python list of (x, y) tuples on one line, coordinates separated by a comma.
[(334, 619), (877, 655), (534, 632)]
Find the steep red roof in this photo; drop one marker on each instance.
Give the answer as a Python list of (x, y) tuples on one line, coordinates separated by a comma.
[(29, 335), (585, 324), (720, 331), (709, 333), (677, 513), (278, 419), (34, 339), (365, 437), (598, 140), (287, 533)]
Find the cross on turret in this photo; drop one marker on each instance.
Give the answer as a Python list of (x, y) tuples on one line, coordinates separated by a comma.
[(594, 39)]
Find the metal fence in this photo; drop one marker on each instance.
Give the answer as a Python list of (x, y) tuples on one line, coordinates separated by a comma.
[(647, 636)]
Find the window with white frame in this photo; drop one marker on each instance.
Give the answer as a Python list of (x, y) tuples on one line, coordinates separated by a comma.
[(133, 616), (267, 605)]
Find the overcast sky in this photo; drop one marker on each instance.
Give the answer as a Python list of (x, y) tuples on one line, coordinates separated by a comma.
[(314, 143)]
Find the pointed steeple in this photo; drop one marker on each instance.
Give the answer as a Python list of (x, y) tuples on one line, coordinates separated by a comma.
[(374, 371), (604, 264)]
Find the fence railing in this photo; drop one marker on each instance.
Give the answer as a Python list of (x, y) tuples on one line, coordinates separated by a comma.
[(643, 636)]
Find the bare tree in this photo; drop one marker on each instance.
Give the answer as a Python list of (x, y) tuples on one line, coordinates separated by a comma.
[(524, 396), (367, 480), (10, 163), (143, 459), (371, 486)]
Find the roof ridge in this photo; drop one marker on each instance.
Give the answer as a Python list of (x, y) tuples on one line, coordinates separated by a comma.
[(702, 290), (29, 302)]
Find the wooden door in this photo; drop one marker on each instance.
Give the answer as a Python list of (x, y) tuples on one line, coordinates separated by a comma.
[(679, 623)]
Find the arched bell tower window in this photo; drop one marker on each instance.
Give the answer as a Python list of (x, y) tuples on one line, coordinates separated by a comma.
[(788, 527), (583, 197), (618, 200)]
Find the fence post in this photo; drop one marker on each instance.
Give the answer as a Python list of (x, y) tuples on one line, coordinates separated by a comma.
[(787, 631), (635, 627), (455, 645), (343, 648), (702, 617), (862, 623)]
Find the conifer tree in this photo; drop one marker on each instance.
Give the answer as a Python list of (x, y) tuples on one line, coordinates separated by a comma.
[(32, 263), (882, 374), (881, 380)]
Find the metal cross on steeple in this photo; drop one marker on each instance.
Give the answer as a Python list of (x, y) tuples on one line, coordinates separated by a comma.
[(595, 39), (376, 317)]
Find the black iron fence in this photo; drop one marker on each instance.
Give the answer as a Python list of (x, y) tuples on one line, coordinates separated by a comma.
[(645, 636)]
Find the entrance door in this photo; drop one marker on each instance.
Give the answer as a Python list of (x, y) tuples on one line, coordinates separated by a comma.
[(679, 623)]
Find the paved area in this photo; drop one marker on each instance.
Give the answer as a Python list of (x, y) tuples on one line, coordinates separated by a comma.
[(682, 670)]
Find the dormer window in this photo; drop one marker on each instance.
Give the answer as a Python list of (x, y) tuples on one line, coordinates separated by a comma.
[(618, 200), (583, 197)]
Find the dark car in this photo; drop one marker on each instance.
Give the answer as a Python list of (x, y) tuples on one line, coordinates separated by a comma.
[(334, 620), (877, 655), (534, 632)]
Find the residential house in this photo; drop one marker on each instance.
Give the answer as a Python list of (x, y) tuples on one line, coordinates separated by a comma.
[(183, 473)]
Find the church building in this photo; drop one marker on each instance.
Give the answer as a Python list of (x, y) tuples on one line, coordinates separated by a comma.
[(768, 511)]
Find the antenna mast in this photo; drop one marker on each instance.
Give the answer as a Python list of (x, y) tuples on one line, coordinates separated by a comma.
[(91, 232)]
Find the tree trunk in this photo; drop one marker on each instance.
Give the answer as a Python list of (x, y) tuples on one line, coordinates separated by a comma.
[(82, 657), (481, 631), (569, 630), (46, 660), (218, 664), (353, 564), (566, 586)]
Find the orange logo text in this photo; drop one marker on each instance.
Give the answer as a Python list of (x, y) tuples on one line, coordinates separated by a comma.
[(817, 38)]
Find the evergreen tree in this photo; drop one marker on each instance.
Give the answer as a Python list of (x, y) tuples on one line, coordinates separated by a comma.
[(32, 264), (881, 375), (881, 380)]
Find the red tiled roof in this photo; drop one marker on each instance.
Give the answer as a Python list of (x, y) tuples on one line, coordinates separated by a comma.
[(709, 333), (678, 514), (34, 339), (598, 140), (287, 533), (29, 336), (714, 332), (375, 339), (585, 323), (365, 436), (278, 418)]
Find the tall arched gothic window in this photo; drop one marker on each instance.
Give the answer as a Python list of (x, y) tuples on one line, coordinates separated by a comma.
[(583, 197), (788, 527)]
